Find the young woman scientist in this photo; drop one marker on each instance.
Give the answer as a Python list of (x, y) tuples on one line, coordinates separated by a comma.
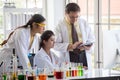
[(45, 58), (24, 39)]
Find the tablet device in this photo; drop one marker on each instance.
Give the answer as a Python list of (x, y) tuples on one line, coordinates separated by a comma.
[(85, 44), (88, 44)]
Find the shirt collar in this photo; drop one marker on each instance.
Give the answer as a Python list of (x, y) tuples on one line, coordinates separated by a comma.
[(68, 22)]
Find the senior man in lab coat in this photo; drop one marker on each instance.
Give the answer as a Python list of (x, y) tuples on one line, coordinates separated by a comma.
[(81, 33)]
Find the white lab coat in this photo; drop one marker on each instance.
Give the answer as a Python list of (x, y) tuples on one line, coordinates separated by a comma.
[(42, 60), (20, 40), (62, 38)]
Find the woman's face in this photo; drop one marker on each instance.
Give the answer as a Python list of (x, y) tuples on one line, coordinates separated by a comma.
[(50, 42), (39, 27)]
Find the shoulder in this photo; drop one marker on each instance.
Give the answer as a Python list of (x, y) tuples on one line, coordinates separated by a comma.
[(37, 35), (22, 31), (61, 22), (40, 53), (82, 20)]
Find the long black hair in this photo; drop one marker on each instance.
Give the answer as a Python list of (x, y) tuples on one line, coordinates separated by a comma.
[(45, 36)]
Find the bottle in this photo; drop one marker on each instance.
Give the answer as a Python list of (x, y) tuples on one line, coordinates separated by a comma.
[(31, 57), (14, 74), (4, 75)]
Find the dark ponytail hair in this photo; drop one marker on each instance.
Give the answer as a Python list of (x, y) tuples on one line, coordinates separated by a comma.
[(37, 18), (45, 36)]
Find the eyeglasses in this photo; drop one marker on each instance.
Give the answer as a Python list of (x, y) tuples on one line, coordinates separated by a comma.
[(41, 24), (72, 17)]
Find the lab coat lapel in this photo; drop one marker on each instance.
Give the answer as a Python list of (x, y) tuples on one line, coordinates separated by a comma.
[(53, 58), (34, 44), (44, 55), (82, 28), (65, 32), (28, 34)]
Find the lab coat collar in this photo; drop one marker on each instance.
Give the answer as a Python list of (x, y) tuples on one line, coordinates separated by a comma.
[(34, 41), (44, 54)]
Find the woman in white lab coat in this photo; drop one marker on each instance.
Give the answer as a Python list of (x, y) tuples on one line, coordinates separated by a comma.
[(63, 33), (24, 39), (46, 58)]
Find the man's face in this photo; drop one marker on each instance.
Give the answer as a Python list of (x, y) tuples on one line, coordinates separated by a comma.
[(72, 16)]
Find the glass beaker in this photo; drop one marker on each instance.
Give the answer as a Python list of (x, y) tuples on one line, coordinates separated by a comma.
[(30, 74), (42, 74), (21, 75), (59, 73)]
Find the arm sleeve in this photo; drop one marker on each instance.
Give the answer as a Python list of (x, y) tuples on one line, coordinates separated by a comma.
[(60, 45), (90, 37)]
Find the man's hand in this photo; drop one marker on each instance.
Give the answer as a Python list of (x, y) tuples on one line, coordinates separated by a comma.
[(76, 44), (73, 46), (87, 47)]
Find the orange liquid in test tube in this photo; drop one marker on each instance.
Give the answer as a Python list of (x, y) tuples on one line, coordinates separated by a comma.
[(42, 77), (76, 71)]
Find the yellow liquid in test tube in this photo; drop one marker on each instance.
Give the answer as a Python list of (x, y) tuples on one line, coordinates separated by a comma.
[(14, 76)]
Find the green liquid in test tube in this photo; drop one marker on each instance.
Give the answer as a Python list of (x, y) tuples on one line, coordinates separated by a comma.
[(4, 76), (80, 70), (21, 77)]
